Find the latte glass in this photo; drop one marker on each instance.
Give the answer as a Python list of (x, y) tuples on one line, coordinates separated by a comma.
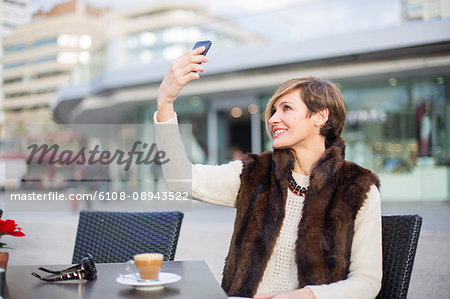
[(147, 264)]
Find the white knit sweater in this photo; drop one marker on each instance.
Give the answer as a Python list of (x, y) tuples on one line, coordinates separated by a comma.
[(219, 184)]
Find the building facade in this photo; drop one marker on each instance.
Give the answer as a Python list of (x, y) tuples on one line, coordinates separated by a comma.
[(425, 9), (39, 58), (13, 13), (159, 32)]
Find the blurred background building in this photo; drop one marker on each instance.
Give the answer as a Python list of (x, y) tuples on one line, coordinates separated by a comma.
[(154, 32), (389, 58), (425, 9), (39, 58), (13, 13)]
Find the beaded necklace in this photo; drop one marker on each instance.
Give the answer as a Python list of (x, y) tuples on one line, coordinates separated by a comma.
[(296, 188)]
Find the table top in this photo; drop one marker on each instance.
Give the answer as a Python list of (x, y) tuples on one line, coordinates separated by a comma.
[(196, 281)]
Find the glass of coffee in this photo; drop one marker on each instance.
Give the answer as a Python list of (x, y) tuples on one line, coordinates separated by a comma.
[(147, 264)]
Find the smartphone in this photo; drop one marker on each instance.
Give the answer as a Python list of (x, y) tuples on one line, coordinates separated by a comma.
[(206, 43)]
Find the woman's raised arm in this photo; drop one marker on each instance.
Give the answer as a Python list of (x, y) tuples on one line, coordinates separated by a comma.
[(218, 184), (181, 71)]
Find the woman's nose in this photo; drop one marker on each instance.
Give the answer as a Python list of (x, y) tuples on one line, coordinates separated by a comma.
[(274, 118)]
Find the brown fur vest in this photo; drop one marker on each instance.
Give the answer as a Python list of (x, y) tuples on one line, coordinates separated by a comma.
[(336, 192)]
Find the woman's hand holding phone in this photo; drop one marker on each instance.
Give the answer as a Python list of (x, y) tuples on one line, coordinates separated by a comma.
[(181, 71)]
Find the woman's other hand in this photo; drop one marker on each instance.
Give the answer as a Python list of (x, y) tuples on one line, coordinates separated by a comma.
[(304, 293), (181, 71)]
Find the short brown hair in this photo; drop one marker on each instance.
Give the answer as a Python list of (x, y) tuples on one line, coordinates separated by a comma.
[(317, 95)]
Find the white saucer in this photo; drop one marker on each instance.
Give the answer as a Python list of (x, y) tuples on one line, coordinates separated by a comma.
[(148, 285)]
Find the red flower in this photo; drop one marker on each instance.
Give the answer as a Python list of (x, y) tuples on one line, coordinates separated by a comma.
[(9, 227)]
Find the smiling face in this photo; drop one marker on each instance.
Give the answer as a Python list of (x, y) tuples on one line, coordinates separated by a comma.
[(299, 106), (291, 123)]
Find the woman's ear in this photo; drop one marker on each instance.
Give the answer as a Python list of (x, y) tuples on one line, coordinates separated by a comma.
[(320, 117)]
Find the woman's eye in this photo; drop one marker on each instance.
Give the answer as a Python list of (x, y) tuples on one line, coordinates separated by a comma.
[(286, 108)]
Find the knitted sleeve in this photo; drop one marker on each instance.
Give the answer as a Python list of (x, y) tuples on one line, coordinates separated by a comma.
[(215, 184), (364, 279)]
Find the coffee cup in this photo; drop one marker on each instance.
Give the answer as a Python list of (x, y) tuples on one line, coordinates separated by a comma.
[(147, 264)]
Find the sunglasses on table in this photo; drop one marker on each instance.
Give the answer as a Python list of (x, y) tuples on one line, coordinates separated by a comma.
[(84, 270)]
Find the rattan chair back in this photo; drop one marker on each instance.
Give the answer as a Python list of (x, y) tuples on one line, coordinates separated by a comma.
[(115, 237), (400, 237)]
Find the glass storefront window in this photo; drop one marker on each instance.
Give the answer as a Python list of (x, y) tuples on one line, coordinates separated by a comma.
[(398, 129), (377, 128), (392, 128)]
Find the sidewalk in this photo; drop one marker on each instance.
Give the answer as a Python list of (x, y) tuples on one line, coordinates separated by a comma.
[(206, 233)]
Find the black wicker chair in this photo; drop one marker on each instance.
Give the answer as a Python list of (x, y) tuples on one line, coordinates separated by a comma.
[(115, 237), (400, 237)]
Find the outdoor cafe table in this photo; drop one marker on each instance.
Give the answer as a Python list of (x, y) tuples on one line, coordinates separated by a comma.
[(197, 282)]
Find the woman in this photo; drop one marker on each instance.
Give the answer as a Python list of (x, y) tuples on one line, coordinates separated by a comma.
[(308, 223)]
